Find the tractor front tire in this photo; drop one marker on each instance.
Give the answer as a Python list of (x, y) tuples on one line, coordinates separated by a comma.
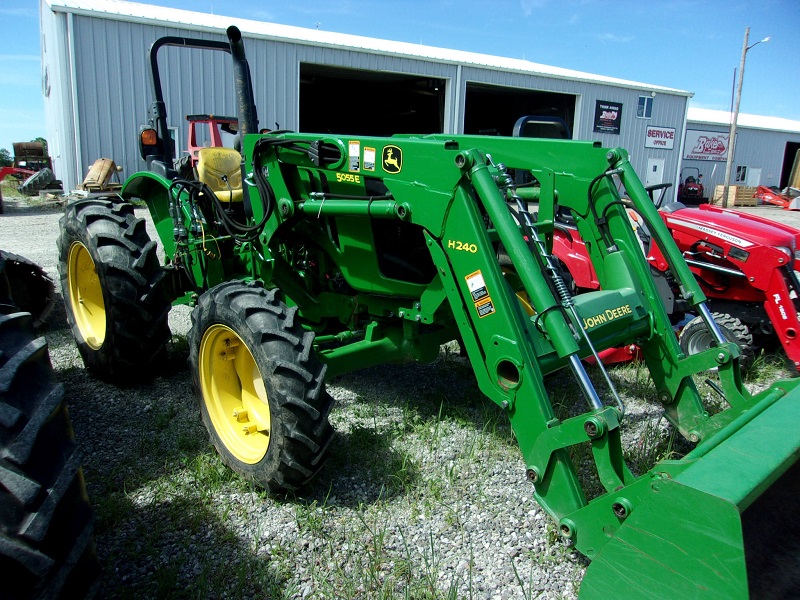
[(112, 284), (47, 548), (260, 386), (696, 337)]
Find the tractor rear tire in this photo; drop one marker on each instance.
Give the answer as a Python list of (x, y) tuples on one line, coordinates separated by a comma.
[(696, 337), (113, 288), (260, 386), (46, 542), (36, 182)]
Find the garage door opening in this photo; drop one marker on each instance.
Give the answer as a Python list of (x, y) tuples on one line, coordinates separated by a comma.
[(790, 173), (352, 101), (493, 110)]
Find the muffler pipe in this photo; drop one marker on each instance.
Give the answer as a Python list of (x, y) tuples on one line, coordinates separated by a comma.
[(243, 83)]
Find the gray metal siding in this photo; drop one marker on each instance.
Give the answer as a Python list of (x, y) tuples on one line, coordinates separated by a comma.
[(112, 69), (58, 89), (113, 82), (755, 148)]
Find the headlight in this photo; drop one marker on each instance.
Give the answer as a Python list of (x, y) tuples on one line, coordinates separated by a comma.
[(787, 251)]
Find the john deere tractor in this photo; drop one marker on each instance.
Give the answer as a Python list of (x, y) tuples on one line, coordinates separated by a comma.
[(310, 255)]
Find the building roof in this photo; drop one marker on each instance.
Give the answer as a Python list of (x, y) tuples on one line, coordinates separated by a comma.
[(723, 117), (171, 17)]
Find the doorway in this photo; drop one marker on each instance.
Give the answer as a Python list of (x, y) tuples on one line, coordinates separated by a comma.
[(655, 171)]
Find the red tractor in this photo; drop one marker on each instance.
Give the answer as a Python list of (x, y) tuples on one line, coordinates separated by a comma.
[(690, 188), (745, 265), (205, 131)]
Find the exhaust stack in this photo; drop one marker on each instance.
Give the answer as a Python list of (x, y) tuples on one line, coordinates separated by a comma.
[(245, 101)]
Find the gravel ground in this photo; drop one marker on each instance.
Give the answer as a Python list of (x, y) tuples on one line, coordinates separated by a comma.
[(424, 489), (423, 496)]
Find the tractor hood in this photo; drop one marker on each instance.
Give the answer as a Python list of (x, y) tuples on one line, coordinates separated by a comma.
[(735, 227)]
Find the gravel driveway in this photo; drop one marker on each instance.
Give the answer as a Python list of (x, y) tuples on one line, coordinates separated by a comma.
[(423, 496), (424, 490)]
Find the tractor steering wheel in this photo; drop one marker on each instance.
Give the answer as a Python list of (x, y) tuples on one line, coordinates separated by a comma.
[(658, 186)]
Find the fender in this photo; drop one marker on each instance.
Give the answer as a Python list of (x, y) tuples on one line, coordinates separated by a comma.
[(153, 189)]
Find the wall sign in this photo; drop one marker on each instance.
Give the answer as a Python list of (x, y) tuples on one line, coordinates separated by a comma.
[(607, 116), (705, 145), (660, 137)]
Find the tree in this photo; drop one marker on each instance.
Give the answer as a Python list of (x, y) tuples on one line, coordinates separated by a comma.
[(44, 143), (5, 158)]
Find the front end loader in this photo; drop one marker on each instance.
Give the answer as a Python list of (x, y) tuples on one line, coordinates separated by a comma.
[(310, 255)]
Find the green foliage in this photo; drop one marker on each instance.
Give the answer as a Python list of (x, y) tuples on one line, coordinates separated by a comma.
[(43, 142), (5, 158)]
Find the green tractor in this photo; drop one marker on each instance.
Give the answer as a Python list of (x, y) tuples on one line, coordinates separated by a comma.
[(308, 255)]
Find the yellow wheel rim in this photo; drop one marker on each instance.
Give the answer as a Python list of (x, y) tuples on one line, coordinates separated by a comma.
[(86, 296), (234, 394)]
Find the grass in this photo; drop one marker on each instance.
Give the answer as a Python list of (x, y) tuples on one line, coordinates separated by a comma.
[(9, 187)]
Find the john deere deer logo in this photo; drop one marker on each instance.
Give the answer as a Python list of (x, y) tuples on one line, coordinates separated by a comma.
[(392, 159)]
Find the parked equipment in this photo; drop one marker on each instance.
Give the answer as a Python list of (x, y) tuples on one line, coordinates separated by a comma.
[(206, 131), (350, 251), (31, 162), (744, 264), (103, 176), (690, 188)]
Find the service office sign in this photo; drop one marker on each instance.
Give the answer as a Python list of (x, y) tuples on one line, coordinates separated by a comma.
[(660, 137), (705, 145)]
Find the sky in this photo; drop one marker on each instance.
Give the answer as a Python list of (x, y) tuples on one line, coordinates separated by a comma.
[(692, 45)]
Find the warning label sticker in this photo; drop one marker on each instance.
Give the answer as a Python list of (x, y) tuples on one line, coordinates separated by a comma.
[(369, 158), (354, 151), (477, 286), (480, 295), (485, 307)]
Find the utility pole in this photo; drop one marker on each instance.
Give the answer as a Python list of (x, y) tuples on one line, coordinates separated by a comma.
[(735, 118)]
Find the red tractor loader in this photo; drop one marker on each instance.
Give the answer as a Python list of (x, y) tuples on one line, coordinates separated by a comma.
[(745, 265)]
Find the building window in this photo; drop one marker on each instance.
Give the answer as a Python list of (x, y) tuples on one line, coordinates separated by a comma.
[(645, 108), (741, 174), (176, 147)]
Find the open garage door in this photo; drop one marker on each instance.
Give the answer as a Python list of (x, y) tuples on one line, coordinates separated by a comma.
[(352, 101), (790, 173), (493, 110)]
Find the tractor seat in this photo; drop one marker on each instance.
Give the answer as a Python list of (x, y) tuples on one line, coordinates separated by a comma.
[(220, 169)]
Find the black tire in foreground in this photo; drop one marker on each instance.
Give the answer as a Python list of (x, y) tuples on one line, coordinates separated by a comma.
[(112, 284), (696, 337), (46, 543), (31, 288), (260, 386)]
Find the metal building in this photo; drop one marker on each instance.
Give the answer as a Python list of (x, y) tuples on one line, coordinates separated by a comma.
[(765, 151), (96, 85)]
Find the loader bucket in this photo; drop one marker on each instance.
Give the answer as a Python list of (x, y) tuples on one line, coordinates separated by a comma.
[(720, 523)]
